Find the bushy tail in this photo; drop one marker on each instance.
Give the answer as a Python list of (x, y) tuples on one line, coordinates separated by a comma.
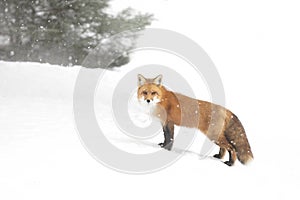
[(243, 152), (236, 135)]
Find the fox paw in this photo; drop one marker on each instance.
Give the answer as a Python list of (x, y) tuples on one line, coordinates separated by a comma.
[(217, 156), (167, 146), (161, 144), (229, 163)]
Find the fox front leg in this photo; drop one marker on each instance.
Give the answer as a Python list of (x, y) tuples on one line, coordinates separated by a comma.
[(168, 130)]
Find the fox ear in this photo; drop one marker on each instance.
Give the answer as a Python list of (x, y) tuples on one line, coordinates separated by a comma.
[(141, 80), (157, 80)]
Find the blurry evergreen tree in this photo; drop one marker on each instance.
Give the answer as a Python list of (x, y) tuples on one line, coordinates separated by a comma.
[(62, 31)]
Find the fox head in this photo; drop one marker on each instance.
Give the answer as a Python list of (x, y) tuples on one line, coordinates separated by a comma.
[(149, 89)]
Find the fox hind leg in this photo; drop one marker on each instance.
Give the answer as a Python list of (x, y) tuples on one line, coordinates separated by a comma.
[(221, 153), (225, 145), (232, 157)]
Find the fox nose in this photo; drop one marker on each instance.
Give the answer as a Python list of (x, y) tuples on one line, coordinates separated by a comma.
[(148, 100)]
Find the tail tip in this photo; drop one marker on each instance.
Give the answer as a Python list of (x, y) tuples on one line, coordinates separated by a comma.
[(247, 161)]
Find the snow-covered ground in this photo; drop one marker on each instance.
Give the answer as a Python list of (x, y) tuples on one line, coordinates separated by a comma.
[(42, 156), (255, 47)]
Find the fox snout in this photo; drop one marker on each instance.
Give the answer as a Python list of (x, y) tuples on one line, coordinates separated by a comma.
[(148, 100)]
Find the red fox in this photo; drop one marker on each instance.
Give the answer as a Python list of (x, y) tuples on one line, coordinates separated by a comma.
[(218, 123)]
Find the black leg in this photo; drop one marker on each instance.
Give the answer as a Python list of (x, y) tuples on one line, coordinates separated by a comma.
[(168, 135), (232, 158)]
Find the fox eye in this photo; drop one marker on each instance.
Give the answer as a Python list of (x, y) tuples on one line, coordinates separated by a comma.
[(144, 92), (154, 93)]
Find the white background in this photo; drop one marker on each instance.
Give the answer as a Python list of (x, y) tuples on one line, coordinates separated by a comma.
[(255, 46)]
